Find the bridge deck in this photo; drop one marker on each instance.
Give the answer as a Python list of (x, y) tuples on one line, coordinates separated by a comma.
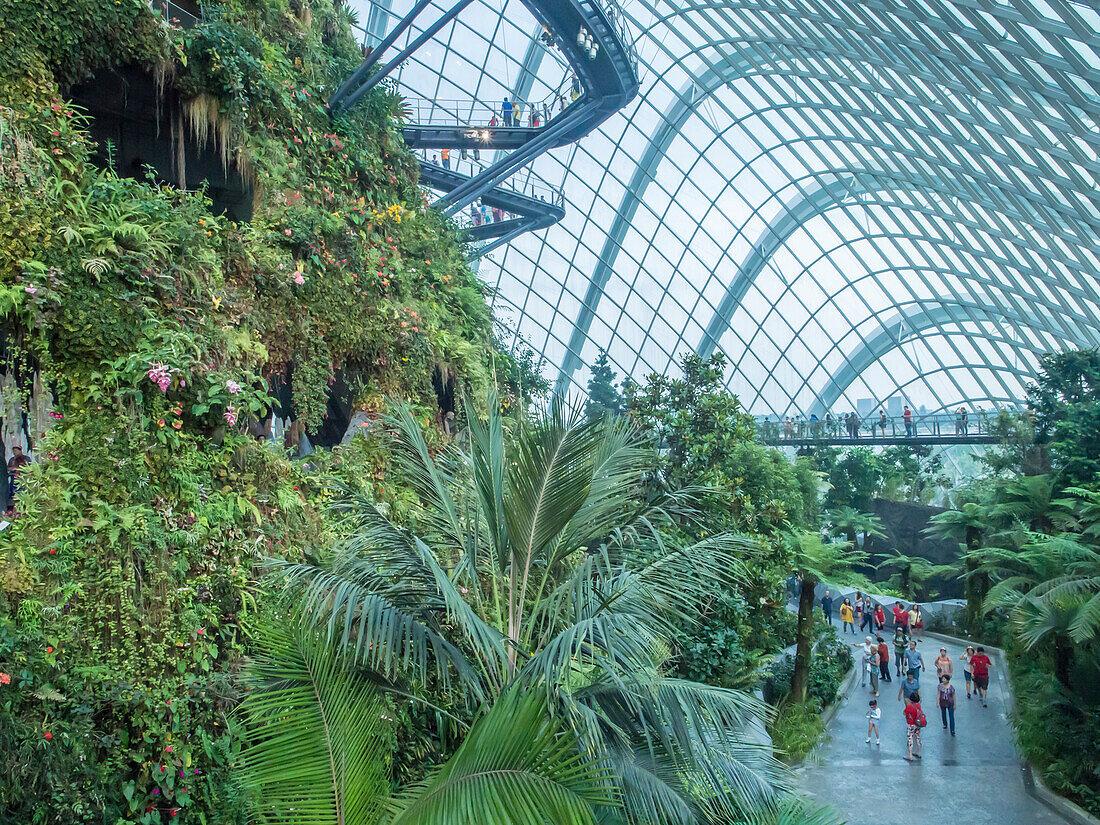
[(883, 441)]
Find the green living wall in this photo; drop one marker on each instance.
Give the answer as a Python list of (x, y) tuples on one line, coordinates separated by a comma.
[(142, 334)]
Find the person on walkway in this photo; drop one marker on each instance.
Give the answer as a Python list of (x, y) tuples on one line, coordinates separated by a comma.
[(865, 649), (506, 112), (968, 654), (873, 667), (874, 713), (965, 425), (913, 659), (901, 642), (916, 621), (979, 666), (945, 699), (883, 659), (846, 617), (901, 616), (907, 419), (880, 617), (445, 156), (827, 607), (914, 716), (943, 664), (882, 420), (909, 686), (475, 215)]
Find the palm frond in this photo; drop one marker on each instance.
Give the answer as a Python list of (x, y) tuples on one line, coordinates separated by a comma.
[(518, 766), (316, 751)]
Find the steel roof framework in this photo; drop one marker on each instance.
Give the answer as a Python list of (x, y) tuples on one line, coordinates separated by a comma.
[(798, 181)]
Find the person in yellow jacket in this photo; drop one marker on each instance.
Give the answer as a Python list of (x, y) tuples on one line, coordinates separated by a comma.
[(847, 617)]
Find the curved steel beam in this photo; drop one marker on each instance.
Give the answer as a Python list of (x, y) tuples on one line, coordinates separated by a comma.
[(887, 338), (812, 201), (656, 149)]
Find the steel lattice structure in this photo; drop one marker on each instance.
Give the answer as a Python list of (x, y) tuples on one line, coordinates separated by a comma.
[(849, 198)]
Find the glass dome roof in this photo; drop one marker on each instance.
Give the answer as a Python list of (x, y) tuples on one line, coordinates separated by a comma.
[(850, 199)]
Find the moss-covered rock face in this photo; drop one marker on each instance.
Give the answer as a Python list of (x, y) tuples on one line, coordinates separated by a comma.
[(130, 573)]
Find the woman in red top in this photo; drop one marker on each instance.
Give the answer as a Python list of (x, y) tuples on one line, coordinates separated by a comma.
[(913, 714), (880, 617)]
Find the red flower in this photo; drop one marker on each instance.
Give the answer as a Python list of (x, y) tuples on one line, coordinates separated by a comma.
[(49, 649), (5, 679), (49, 736)]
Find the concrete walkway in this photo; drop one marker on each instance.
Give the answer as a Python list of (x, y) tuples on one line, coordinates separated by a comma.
[(974, 777)]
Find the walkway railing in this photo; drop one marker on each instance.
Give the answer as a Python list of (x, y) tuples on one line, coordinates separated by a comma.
[(966, 426), (175, 15)]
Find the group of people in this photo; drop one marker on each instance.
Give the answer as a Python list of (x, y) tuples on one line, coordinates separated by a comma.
[(867, 613), (482, 215), (908, 666), (830, 427)]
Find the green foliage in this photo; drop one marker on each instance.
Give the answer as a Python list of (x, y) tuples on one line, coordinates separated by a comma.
[(316, 731), (1058, 730), (518, 765), (603, 397), (128, 599), (1066, 403), (796, 730), (832, 659), (548, 568)]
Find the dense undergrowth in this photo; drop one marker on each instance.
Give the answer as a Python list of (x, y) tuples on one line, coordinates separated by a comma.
[(130, 588)]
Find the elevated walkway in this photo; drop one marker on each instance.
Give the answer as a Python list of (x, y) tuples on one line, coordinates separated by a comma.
[(528, 210), (922, 430), (594, 40)]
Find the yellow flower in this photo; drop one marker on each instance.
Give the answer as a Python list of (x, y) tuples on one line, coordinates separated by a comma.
[(217, 303)]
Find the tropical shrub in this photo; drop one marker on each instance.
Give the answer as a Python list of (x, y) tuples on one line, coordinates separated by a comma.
[(543, 567)]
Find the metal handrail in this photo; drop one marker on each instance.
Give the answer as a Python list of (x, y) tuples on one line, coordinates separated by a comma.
[(799, 428), (175, 15), (614, 14), (530, 186)]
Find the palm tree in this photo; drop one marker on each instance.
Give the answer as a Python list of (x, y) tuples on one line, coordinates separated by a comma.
[(317, 751), (913, 573), (816, 560), (850, 523), (965, 525), (539, 566)]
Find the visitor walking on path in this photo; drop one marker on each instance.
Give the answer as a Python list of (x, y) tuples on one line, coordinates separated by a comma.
[(913, 659), (901, 616), (874, 713), (846, 617), (916, 621), (968, 654), (910, 686), (901, 642), (880, 617), (943, 664), (883, 659), (914, 721), (979, 666), (872, 667), (858, 607), (827, 607), (865, 657), (945, 698)]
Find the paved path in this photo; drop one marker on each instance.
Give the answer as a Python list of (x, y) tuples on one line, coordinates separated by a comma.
[(974, 777)]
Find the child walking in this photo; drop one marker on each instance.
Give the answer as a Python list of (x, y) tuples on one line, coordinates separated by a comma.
[(874, 713)]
